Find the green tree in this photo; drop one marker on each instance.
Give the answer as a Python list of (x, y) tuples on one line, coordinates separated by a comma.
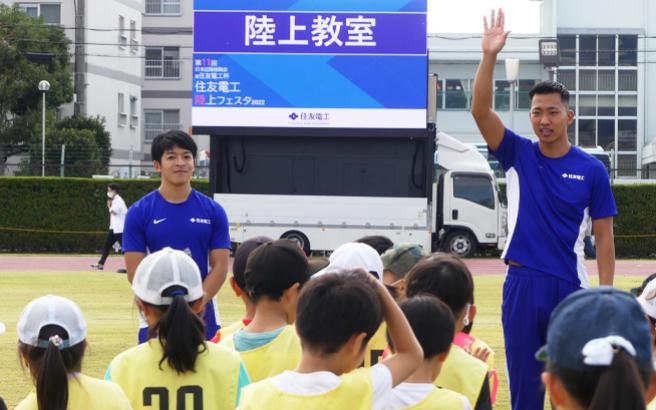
[(30, 51), (87, 149)]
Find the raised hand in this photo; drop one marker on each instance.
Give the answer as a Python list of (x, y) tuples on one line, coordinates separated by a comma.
[(494, 34)]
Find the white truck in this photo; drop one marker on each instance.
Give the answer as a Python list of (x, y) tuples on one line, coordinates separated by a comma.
[(466, 211)]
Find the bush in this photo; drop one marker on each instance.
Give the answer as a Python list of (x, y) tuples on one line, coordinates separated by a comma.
[(62, 214)]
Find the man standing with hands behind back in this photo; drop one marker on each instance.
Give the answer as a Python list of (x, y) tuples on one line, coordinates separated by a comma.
[(178, 216), (552, 188)]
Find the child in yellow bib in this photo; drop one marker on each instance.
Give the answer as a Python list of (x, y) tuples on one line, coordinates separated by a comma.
[(433, 325), (275, 271), (238, 285), (449, 279), (337, 315), (52, 342), (176, 366)]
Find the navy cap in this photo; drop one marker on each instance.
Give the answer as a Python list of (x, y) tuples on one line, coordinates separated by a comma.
[(596, 319)]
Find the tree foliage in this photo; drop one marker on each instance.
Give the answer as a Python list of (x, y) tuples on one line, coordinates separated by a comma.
[(21, 39)]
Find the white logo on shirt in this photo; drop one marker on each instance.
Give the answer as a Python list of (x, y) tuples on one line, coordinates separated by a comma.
[(200, 221), (156, 221), (573, 176)]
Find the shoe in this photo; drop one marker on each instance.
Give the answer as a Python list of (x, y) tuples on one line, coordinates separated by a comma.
[(97, 266), (121, 270)]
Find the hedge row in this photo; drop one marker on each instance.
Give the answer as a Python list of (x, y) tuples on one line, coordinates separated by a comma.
[(62, 214), (69, 214)]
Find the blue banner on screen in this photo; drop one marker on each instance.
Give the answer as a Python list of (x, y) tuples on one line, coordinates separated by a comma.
[(310, 63)]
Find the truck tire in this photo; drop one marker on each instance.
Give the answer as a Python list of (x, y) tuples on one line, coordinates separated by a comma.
[(461, 243), (300, 238)]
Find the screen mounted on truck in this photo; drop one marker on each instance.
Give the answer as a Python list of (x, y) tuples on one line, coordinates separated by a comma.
[(310, 64)]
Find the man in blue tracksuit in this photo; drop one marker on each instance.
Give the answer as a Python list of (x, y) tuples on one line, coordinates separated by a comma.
[(553, 189)]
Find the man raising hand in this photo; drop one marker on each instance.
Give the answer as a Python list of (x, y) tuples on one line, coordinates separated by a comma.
[(552, 188)]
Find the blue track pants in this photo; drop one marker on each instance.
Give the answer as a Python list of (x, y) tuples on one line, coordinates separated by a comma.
[(529, 297)]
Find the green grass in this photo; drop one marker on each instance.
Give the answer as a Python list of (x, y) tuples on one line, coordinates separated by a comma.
[(106, 300)]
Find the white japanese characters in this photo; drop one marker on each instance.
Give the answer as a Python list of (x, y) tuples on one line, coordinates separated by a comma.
[(324, 31)]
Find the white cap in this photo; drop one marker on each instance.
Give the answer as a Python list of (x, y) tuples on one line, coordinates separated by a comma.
[(52, 310), (354, 255), (163, 269), (647, 299)]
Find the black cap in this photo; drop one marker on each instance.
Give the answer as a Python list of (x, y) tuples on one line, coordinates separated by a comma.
[(276, 266)]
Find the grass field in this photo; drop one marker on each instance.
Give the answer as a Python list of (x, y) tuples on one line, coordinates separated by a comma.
[(106, 300)]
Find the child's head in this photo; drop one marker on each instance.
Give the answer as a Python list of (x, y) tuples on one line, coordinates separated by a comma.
[(354, 255), (598, 352), (398, 261), (169, 291), (337, 315), (432, 323), (52, 339), (275, 272), (238, 280), (448, 278), (379, 242)]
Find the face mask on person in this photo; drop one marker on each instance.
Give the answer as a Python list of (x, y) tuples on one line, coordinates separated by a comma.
[(111, 194)]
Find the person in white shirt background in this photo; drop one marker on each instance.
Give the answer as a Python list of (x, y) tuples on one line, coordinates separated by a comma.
[(117, 211)]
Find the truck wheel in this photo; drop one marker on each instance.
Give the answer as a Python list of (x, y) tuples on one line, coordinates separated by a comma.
[(300, 238), (462, 243)]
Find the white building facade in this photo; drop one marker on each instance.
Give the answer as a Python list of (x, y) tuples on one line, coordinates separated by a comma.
[(106, 64), (607, 63)]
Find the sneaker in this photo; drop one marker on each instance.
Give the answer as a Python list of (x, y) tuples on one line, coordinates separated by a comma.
[(122, 270), (97, 266)]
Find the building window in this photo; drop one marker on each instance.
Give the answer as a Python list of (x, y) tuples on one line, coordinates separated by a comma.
[(166, 7), (567, 78), (51, 13), (122, 115), (456, 94), (134, 118), (587, 133), (133, 37), (567, 50), (501, 95), (627, 165), (627, 80), (606, 50), (627, 135), (587, 105), (122, 36), (587, 50), (523, 99), (628, 50), (158, 121), (162, 62), (606, 134), (627, 105), (606, 105)]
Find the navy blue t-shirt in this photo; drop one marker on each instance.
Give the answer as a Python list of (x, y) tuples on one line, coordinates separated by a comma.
[(549, 202), (196, 226)]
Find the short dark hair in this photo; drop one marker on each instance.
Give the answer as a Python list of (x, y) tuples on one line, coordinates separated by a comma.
[(241, 256), (379, 242), (550, 87), (444, 276), (169, 139), (431, 321), (113, 186), (274, 267), (334, 307)]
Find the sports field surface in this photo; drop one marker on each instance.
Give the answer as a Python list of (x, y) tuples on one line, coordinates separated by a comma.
[(106, 300)]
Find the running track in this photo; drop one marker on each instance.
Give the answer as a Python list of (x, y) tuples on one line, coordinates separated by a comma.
[(76, 263)]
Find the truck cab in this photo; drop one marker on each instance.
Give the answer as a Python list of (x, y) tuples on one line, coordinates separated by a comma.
[(470, 211)]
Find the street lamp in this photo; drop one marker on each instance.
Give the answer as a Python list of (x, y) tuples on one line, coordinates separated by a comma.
[(44, 86)]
